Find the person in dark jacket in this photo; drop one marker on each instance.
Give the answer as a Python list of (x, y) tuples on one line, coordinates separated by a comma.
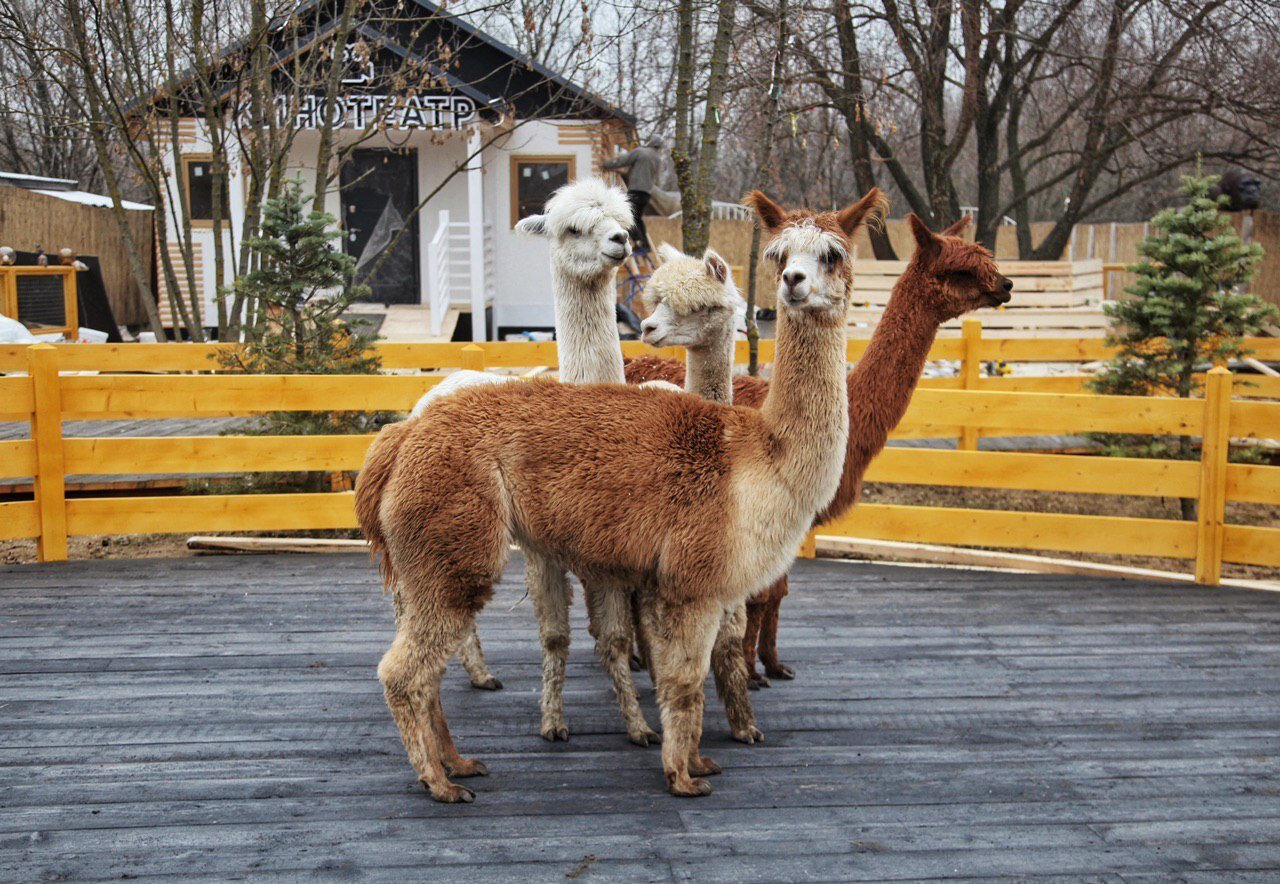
[(643, 166)]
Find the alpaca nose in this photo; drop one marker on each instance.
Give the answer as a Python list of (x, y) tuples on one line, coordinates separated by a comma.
[(1007, 285), (793, 278), (620, 238)]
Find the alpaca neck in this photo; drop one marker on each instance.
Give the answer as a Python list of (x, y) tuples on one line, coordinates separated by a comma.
[(807, 411), (587, 329), (881, 384), (709, 373)]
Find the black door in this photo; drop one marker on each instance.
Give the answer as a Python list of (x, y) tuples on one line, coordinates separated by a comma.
[(379, 194)]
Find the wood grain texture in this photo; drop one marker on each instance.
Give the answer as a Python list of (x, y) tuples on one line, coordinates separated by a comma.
[(219, 718)]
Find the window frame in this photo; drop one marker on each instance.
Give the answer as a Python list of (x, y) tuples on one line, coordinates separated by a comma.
[(570, 159), (184, 179)]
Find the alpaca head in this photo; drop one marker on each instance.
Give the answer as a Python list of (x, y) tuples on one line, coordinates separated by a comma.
[(964, 275), (691, 303), (587, 222), (813, 250)]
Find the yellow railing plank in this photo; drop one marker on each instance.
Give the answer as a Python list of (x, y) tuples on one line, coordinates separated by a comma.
[(1044, 349), (1036, 472), (999, 528), (16, 403), (103, 396), (222, 512), (17, 458), (214, 454), (18, 520), (1250, 483), (1053, 412), (1255, 420), (1251, 545)]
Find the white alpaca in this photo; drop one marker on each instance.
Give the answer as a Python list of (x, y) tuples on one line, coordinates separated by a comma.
[(587, 223)]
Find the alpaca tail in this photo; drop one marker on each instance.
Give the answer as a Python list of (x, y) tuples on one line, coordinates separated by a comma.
[(370, 485)]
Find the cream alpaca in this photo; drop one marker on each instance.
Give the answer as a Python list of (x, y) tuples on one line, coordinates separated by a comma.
[(729, 495), (693, 304)]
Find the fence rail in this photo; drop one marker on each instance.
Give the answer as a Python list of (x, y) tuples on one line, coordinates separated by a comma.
[(968, 406)]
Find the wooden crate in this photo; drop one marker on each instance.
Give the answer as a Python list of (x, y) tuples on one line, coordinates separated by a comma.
[(41, 298)]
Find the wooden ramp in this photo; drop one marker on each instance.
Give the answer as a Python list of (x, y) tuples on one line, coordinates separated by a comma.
[(219, 718), (1049, 298)]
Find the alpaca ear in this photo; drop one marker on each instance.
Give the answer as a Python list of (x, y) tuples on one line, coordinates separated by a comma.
[(716, 267), (925, 238), (769, 212), (959, 227), (668, 252), (867, 210), (534, 225)]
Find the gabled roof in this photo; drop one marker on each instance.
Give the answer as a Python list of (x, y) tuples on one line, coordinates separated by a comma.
[(486, 70)]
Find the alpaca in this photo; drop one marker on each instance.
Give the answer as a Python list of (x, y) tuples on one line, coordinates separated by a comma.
[(587, 223), (879, 389), (729, 495), (694, 304)]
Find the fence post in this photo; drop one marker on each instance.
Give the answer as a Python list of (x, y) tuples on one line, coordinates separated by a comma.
[(46, 433), (809, 546), (473, 357), (1212, 504), (970, 369)]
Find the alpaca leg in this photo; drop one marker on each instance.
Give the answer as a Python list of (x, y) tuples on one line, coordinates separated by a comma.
[(769, 636), (471, 656), (453, 762), (640, 648), (681, 638), (549, 588), (411, 672), (609, 609), (755, 613), (730, 672)]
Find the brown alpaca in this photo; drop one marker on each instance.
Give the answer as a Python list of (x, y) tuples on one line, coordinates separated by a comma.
[(729, 494), (879, 389)]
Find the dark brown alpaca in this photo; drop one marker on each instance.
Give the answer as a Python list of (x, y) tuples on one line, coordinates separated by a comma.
[(879, 390)]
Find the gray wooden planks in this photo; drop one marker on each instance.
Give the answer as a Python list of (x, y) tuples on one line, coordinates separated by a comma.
[(220, 718)]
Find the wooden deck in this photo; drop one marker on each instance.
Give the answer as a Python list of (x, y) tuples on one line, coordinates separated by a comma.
[(219, 718)]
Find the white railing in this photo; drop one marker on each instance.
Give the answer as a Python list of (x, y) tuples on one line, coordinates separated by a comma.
[(449, 268), (439, 274), (490, 262)]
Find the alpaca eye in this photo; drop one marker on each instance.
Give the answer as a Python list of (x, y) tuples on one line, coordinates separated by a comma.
[(573, 231), (831, 257)]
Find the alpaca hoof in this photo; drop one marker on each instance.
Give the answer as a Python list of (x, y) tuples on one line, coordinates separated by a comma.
[(694, 788), (756, 682), (488, 684), (704, 767), (450, 793), (467, 767), (646, 737), (553, 732), (782, 671), (749, 735), (637, 665)]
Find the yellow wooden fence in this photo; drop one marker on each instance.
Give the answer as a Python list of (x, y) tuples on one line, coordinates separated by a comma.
[(51, 392)]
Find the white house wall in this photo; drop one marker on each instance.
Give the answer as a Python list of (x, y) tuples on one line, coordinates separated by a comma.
[(522, 283)]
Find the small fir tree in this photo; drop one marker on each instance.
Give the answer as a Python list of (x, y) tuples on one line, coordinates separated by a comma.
[(1188, 312), (298, 294)]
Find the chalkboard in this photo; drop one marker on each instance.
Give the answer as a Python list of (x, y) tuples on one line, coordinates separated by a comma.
[(42, 301)]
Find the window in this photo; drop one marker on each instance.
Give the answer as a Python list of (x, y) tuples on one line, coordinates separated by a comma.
[(197, 178), (533, 180)]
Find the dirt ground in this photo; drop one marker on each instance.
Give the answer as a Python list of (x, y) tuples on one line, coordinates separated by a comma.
[(169, 545)]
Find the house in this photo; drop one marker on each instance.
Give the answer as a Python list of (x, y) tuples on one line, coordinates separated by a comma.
[(530, 130)]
